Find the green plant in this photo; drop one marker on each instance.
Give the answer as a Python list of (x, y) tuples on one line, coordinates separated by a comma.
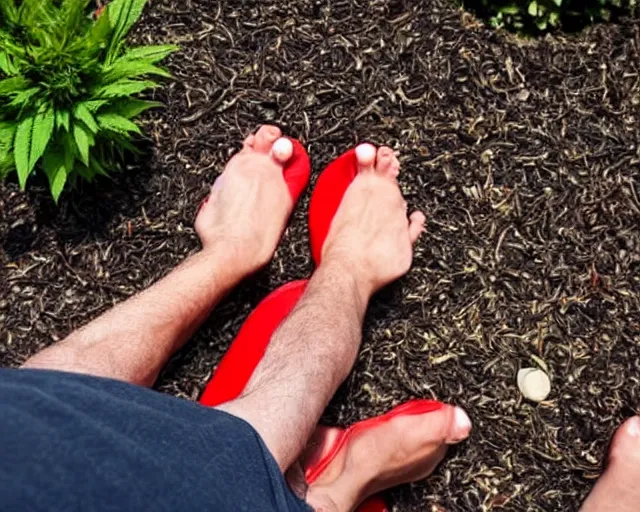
[(68, 86), (541, 15)]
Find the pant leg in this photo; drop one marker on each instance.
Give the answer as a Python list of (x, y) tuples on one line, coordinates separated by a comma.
[(79, 443)]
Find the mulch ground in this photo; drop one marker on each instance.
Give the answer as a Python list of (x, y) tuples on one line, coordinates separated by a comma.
[(525, 156)]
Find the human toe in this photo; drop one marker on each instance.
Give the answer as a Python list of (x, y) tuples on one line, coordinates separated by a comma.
[(249, 141), (417, 221), (626, 441), (386, 162), (449, 425), (282, 150), (265, 137), (366, 157)]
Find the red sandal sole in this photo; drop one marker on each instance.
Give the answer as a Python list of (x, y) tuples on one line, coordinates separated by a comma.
[(327, 195), (248, 348), (297, 171)]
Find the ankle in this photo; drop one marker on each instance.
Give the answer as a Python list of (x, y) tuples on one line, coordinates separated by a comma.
[(222, 265), (341, 268)]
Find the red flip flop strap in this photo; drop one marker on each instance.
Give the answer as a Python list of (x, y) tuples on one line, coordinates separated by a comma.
[(297, 170), (412, 407), (326, 198), (246, 351)]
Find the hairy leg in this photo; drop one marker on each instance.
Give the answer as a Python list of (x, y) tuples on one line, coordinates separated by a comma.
[(370, 243), (239, 226), (313, 351)]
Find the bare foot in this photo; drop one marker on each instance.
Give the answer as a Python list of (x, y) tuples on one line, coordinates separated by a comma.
[(618, 490), (249, 203), (370, 233), (401, 450)]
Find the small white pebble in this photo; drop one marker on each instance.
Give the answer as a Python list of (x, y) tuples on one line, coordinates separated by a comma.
[(534, 384)]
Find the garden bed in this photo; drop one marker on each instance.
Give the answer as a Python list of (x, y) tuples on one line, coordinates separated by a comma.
[(524, 154)]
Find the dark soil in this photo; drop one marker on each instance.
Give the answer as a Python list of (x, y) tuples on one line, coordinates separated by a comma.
[(525, 156)]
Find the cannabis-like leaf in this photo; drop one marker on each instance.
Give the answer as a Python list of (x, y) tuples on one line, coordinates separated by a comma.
[(67, 87)]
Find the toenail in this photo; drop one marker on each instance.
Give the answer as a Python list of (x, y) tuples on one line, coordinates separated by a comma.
[(282, 148), (366, 152), (633, 427), (461, 425)]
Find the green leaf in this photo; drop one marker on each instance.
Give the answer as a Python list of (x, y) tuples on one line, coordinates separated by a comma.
[(34, 12), (131, 108), (533, 8), (24, 97), (152, 54), (63, 119), (117, 123), (124, 88), (70, 149), (22, 150), (123, 68), (510, 9), (98, 168), (41, 135), (53, 164), (99, 34), (13, 85), (72, 12), (6, 66), (9, 11), (82, 113), (86, 172), (7, 134), (95, 105), (6, 166), (122, 15), (83, 142)]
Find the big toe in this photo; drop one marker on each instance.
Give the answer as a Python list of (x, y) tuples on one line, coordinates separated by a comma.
[(421, 442), (265, 137), (626, 442), (282, 150), (387, 163), (617, 489), (450, 425)]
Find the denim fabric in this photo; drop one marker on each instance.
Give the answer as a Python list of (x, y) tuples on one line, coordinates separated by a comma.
[(79, 443)]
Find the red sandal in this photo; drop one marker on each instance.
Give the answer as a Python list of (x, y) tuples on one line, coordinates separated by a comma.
[(248, 348), (246, 351), (326, 198)]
